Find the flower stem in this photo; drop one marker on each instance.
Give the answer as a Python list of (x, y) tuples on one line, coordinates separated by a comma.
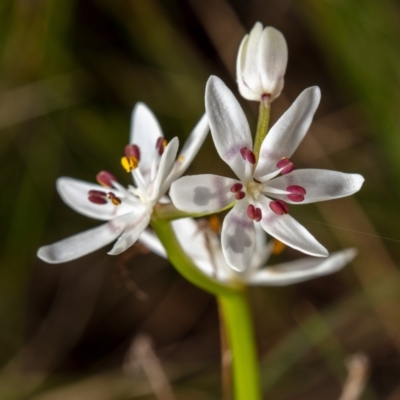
[(237, 320), (235, 312), (262, 124)]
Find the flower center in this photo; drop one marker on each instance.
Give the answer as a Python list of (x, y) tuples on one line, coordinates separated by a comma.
[(253, 189)]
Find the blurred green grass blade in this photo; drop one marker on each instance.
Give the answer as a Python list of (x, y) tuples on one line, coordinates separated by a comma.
[(360, 41)]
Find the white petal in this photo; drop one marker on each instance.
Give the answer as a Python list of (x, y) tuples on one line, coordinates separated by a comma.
[(320, 184), (202, 193), (289, 231), (202, 246), (189, 150), (285, 136), (251, 53), (229, 127), (145, 130), (149, 239), (75, 194), (272, 61), (238, 237), (137, 224), (262, 249), (159, 188), (302, 270), (83, 243), (244, 90)]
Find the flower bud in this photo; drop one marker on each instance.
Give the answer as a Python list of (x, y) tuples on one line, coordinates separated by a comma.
[(261, 63)]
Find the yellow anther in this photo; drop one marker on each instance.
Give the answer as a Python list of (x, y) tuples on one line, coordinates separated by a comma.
[(129, 163), (114, 199), (277, 247), (181, 158), (215, 223)]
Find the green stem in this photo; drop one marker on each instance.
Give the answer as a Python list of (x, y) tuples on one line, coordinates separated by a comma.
[(262, 125), (235, 312), (238, 323)]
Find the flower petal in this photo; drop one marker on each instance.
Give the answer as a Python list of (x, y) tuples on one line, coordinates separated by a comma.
[(288, 132), (250, 56), (189, 149), (229, 127), (319, 184), (302, 270), (75, 194), (145, 130), (289, 231), (238, 237), (244, 90), (158, 187), (262, 249), (202, 246), (137, 224), (202, 193), (272, 61), (149, 239), (83, 243)]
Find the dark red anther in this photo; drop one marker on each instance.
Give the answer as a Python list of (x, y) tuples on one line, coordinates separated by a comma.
[(105, 178), (279, 207), (286, 165), (240, 195), (296, 193), (160, 145), (97, 197), (254, 213), (251, 211), (237, 187), (248, 155), (258, 215), (131, 150)]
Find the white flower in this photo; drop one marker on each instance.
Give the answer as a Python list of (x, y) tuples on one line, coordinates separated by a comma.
[(261, 63), (204, 249), (259, 179), (127, 210)]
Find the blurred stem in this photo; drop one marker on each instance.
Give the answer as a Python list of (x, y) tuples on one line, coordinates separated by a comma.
[(235, 314), (262, 124), (239, 328)]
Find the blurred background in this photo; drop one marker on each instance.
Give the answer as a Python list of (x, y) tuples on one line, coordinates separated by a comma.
[(107, 328)]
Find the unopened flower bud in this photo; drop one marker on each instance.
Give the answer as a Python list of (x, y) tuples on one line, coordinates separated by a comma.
[(261, 63)]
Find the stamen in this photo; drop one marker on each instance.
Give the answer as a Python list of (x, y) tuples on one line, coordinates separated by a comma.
[(254, 213), (279, 207), (114, 199), (237, 187), (105, 179), (132, 150), (277, 247), (129, 163), (286, 165), (97, 197), (240, 195), (296, 193), (215, 224), (161, 144), (248, 155), (251, 211)]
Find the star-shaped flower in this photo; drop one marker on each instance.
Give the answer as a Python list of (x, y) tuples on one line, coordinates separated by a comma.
[(128, 211), (203, 247), (261, 63), (271, 176)]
